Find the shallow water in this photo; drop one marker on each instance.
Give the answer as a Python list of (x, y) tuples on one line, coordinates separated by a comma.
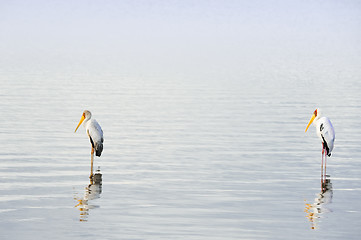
[(181, 160)]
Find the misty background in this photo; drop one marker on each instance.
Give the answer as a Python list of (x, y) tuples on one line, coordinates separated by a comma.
[(181, 40)]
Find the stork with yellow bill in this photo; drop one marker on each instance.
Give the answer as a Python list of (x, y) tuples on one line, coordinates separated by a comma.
[(326, 133), (95, 134)]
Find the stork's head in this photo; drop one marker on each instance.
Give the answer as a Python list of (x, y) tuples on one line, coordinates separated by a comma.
[(86, 116), (316, 115)]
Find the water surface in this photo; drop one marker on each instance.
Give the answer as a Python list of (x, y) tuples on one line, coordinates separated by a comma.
[(181, 160)]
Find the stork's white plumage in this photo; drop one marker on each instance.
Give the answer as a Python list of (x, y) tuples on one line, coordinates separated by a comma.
[(325, 132), (95, 134)]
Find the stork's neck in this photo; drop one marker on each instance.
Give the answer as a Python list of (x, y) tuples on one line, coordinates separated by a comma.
[(316, 120), (87, 119)]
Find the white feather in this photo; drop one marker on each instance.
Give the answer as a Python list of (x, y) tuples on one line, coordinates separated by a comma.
[(94, 130), (324, 130)]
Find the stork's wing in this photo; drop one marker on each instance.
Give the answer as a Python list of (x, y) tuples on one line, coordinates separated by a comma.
[(95, 131), (327, 131)]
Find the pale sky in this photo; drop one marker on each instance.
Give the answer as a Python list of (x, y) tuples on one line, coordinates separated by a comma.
[(175, 38)]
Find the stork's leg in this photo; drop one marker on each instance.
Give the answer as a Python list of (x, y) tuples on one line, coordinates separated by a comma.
[(325, 164), (91, 164), (323, 151)]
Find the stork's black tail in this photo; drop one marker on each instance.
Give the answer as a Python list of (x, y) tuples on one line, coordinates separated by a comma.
[(98, 149), (324, 145)]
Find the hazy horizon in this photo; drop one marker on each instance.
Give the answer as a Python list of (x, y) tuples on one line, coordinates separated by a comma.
[(178, 39)]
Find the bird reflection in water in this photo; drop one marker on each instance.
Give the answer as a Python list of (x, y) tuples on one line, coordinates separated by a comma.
[(319, 207), (92, 191)]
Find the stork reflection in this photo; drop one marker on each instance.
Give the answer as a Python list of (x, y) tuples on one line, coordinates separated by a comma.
[(321, 205), (92, 191)]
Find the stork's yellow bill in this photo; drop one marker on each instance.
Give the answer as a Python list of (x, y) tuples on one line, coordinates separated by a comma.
[(311, 120), (80, 122)]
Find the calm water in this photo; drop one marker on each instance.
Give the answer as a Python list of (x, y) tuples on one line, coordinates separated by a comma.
[(183, 159)]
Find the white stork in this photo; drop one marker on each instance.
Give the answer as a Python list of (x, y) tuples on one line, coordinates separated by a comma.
[(326, 133), (95, 134)]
